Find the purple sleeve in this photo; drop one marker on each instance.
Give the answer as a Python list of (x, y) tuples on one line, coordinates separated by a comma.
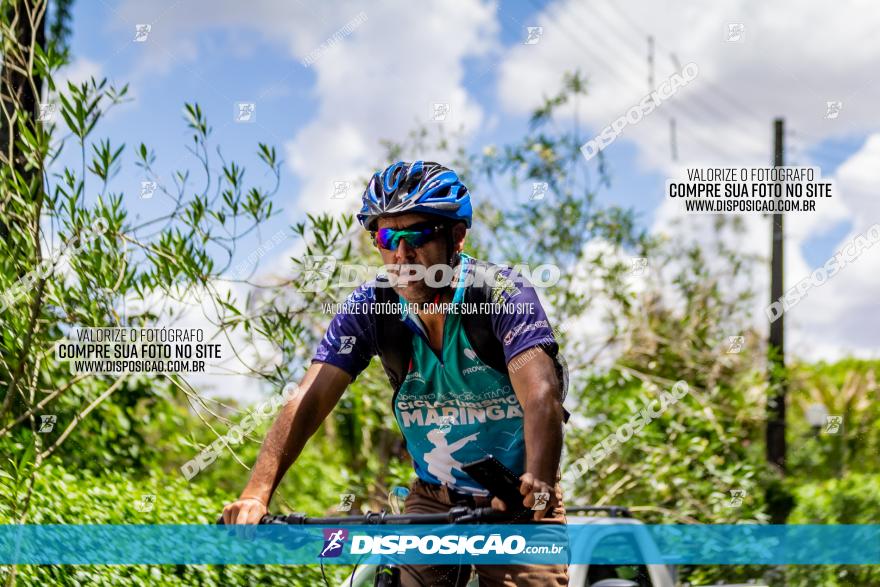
[(520, 331), (349, 342)]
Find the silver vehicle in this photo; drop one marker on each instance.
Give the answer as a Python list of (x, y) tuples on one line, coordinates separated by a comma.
[(622, 533), (615, 528)]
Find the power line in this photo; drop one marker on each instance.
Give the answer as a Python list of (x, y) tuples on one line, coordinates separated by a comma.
[(625, 42), (637, 60), (673, 146), (683, 111), (744, 109), (616, 74)]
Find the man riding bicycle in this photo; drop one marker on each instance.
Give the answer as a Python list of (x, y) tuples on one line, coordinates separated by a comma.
[(465, 386)]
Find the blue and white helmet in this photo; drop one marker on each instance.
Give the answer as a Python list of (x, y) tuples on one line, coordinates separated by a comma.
[(420, 186)]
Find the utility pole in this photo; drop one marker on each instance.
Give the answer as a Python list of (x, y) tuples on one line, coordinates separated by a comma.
[(776, 448), (673, 137)]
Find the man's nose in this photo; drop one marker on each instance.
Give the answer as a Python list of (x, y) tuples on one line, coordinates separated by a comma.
[(404, 253)]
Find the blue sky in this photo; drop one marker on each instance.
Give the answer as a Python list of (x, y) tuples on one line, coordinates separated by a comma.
[(282, 89), (379, 81)]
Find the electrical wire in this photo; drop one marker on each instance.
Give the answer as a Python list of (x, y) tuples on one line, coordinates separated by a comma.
[(616, 74)]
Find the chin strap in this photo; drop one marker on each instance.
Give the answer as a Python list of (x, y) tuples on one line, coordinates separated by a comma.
[(452, 259)]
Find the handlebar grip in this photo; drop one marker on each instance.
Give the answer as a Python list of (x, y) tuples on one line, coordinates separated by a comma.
[(266, 519)]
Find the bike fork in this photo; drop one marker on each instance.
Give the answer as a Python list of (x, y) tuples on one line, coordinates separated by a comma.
[(387, 576)]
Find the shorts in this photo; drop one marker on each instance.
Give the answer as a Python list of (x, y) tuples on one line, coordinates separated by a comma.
[(425, 498)]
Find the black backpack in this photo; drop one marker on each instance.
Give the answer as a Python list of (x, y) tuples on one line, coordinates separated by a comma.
[(394, 338)]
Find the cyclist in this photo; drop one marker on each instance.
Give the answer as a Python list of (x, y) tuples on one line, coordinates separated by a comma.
[(465, 385)]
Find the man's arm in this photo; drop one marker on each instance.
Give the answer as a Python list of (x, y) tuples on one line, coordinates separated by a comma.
[(462, 441), (318, 393), (537, 389)]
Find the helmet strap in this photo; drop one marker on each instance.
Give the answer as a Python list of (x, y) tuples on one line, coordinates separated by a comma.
[(449, 252), (452, 258)]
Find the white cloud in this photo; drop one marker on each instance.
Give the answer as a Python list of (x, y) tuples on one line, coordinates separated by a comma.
[(377, 80), (380, 81), (781, 67), (80, 70), (381, 84), (841, 317)]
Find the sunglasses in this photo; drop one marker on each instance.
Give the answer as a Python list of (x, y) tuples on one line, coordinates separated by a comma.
[(415, 235)]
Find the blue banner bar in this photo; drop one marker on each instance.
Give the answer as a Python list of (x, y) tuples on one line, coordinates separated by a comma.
[(414, 544)]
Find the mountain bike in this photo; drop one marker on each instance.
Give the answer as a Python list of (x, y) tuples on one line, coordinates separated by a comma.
[(388, 575)]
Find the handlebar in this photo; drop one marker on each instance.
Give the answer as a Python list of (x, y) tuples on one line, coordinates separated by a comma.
[(456, 515)]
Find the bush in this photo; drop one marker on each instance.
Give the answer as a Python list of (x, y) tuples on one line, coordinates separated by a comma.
[(65, 497), (854, 499)]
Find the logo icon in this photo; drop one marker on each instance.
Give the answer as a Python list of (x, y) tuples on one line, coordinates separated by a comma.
[(439, 111), (833, 424), (145, 503), (735, 32), (504, 285), (470, 354), (147, 189), (736, 497), (539, 189), (639, 264), (47, 423), (542, 498), (141, 32), (735, 344), (533, 35), (333, 542), (832, 109), (245, 112), (446, 423), (340, 189), (317, 270), (346, 345), (414, 376), (47, 111), (346, 500)]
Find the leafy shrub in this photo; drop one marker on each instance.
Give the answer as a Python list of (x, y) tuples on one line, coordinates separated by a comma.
[(855, 499), (80, 497)]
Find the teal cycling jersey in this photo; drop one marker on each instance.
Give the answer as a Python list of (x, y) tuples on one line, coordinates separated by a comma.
[(454, 409), (451, 407)]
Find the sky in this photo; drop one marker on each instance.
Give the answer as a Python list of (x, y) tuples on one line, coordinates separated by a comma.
[(330, 79)]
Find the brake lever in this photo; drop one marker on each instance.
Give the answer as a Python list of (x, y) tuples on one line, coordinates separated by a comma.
[(488, 514), (291, 519)]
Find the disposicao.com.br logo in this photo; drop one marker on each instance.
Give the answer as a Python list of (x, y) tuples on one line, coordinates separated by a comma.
[(477, 544), (334, 541)]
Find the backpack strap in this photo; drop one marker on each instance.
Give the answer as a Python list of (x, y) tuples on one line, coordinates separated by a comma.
[(393, 339), (478, 325)]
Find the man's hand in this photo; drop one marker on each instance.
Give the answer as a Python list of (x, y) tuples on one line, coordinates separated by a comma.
[(247, 510), (528, 487), (537, 389)]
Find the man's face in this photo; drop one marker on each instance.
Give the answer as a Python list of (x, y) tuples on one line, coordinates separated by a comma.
[(431, 253)]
